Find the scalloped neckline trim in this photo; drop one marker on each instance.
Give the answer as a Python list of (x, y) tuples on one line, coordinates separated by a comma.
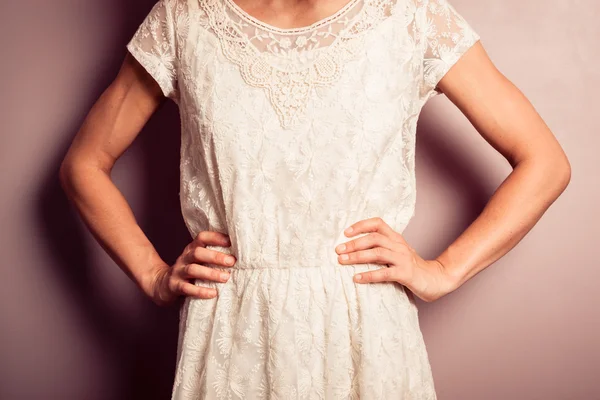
[(307, 28)]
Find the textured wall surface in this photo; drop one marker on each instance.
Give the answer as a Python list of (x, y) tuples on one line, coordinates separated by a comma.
[(75, 327)]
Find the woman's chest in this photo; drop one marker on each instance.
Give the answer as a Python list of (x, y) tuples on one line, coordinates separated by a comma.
[(366, 79)]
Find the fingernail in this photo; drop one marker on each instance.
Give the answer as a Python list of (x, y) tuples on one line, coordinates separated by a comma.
[(341, 247), (349, 229), (229, 260), (224, 276), (358, 277), (344, 256)]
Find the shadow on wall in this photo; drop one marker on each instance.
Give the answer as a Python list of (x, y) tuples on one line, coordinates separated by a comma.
[(452, 164), (142, 359), (437, 147)]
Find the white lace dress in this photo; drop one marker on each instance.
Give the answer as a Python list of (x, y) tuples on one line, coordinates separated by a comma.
[(289, 136)]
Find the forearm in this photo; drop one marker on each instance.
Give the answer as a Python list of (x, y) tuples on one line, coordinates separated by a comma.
[(512, 211), (110, 219)]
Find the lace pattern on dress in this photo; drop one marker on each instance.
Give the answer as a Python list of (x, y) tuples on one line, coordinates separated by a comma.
[(289, 63), (447, 36), (153, 45)]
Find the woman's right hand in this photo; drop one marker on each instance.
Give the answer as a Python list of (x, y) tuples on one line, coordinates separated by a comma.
[(168, 283)]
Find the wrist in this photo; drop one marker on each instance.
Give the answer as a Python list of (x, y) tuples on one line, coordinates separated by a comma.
[(453, 277), (147, 279)]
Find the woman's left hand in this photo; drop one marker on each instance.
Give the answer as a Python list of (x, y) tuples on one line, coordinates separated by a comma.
[(427, 279)]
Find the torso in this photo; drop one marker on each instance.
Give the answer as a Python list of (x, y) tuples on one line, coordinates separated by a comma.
[(311, 128)]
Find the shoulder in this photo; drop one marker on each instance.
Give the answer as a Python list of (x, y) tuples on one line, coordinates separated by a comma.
[(181, 13), (178, 7), (408, 12), (183, 9), (175, 5)]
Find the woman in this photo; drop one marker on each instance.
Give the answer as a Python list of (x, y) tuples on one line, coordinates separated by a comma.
[(297, 180)]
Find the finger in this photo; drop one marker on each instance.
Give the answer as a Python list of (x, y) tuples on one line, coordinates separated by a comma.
[(375, 224), (202, 255), (371, 240), (194, 271), (189, 289), (205, 238), (386, 274), (376, 255)]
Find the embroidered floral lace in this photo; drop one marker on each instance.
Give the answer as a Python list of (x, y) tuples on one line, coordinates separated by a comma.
[(289, 136)]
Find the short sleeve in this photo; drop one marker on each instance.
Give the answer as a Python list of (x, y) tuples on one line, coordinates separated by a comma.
[(446, 37), (154, 46)]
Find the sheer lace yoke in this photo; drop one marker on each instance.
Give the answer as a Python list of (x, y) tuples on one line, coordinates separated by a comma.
[(290, 62)]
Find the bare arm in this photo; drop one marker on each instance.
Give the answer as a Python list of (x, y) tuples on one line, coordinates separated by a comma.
[(110, 127), (85, 175), (541, 172)]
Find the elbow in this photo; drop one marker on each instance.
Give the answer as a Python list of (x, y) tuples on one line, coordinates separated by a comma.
[(71, 172), (78, 170), (562, 171), (557, 176), (63, 171), (551, 174), (566, 176), (65, 174), (553, 165)]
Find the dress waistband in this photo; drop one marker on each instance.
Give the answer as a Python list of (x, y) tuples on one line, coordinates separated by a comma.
[(325, 265)]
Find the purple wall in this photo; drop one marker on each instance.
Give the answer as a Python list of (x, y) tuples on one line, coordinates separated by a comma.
[(75, 327)]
